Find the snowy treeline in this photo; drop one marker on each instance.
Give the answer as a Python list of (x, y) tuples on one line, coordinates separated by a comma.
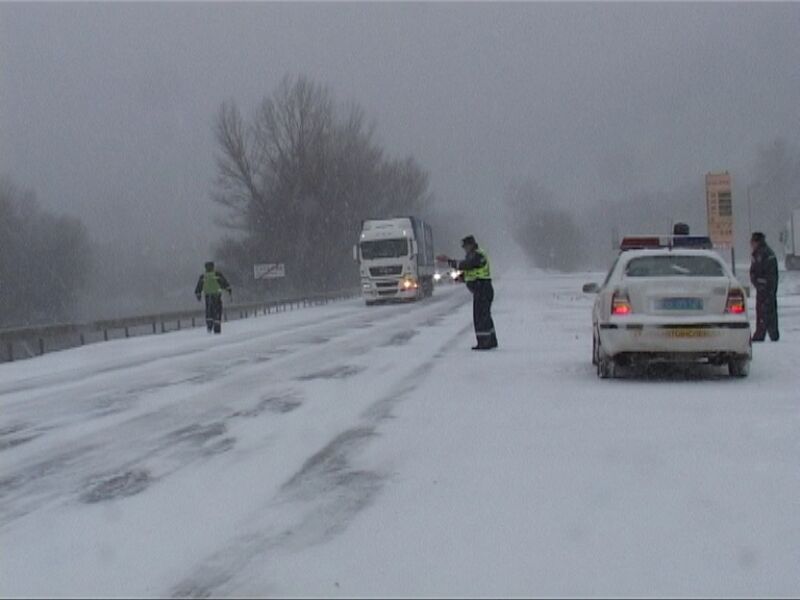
[(45, 260), (557, 235)]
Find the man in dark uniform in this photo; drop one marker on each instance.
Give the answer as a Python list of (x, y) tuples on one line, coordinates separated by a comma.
[(212, 283), (477, 274), (764, 277)]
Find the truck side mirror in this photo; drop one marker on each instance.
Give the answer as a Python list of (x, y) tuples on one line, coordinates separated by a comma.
[(355, 252)]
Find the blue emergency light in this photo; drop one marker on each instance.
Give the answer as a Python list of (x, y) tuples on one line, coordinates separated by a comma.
[(700, 242)]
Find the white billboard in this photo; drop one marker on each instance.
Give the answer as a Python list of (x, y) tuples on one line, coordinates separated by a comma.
[(269, 271)]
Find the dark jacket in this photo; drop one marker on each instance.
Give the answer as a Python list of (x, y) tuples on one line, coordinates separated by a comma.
[(223, 283), (764, 269), (473, 260)]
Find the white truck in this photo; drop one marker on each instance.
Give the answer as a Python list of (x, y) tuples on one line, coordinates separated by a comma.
[(791, 241), (396, 259)]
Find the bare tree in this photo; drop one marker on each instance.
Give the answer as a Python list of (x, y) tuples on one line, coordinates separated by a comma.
[(297, 179)]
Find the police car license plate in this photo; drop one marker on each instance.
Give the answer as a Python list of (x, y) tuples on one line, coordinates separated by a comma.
[(687, 332), (680, 304)]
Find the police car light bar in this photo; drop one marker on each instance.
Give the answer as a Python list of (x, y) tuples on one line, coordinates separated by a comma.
[(640, 242), (650, 242), (700, 242)]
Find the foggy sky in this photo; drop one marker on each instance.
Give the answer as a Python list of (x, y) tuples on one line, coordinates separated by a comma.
[(106, 109)]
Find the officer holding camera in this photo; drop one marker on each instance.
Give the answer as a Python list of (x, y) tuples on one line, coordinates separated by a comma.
[(477, 274)]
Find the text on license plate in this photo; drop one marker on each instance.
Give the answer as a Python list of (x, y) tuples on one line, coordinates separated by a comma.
[(687, 332), (680, 304)]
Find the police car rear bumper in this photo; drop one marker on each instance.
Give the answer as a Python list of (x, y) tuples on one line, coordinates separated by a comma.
[(700, 339)]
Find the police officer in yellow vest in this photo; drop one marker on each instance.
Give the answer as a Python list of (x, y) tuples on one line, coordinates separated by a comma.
[(477, 274), (212, 283)]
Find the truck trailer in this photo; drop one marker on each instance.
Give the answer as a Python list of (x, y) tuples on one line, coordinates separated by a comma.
[(396, 259)]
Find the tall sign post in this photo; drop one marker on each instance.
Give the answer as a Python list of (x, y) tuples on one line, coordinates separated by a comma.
[(719, 207)]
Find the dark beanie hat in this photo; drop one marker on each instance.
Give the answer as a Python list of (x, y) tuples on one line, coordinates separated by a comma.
[(209, 266), (469, 241), (680, 229), (758, 237)]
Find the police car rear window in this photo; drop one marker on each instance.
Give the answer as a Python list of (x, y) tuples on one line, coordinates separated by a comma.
[(674, 266)]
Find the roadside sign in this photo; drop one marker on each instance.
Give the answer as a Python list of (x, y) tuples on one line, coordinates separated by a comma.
[(269, 271), (719, 206)]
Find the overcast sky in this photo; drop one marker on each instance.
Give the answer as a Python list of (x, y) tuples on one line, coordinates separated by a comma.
[(106, 109)]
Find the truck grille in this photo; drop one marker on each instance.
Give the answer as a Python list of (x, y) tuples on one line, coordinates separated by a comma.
[(383, 271)]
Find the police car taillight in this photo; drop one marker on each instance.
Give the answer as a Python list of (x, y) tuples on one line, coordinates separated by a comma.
[(735, 304), (620, 304)]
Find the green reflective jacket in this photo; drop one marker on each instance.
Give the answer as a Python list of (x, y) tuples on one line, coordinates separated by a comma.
[(479, 269), (212, 283)]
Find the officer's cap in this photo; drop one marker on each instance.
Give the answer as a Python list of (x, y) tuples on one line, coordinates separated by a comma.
[(758, 237), (469, 241), (210, 266)]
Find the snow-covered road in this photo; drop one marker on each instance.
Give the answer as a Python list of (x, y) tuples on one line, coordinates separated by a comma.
[(349, 451)]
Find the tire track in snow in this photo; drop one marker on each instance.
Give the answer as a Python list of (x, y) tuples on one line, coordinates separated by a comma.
[(148, 435), (109, 400), (60, 379), (329, 487)]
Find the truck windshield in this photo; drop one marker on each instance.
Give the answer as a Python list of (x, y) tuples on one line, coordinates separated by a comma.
[(384, 249), (674, 266)]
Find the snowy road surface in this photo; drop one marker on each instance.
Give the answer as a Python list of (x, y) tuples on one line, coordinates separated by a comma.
[(349, 451)]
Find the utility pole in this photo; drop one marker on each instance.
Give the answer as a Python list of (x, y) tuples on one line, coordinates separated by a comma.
[(750, 188)]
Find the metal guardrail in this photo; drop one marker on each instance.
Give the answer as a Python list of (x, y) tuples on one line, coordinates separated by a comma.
[(27, 342)]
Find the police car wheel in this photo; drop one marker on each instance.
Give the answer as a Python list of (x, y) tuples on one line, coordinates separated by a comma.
[(739, 367), (606, 367)]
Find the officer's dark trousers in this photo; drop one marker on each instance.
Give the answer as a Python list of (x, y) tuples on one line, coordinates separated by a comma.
[(766, 316), (214, 312), (482, 297)]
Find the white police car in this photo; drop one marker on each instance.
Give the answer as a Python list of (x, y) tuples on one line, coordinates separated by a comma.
[(669, 298)]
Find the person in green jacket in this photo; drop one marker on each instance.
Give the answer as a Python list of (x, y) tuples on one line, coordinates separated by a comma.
[(212, 283), (477, 274)]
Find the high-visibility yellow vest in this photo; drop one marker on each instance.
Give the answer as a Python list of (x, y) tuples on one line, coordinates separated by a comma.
[(211, 284), (483, 272)]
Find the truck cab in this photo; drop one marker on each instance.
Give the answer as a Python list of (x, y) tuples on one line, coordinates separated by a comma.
[(396, 259)]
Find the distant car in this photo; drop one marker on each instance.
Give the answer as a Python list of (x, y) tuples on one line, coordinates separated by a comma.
[(447, 275), (670, 304)]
